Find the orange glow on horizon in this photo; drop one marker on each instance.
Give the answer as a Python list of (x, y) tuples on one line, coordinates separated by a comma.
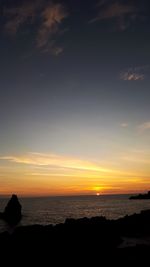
[(37, 174), (45, 188)]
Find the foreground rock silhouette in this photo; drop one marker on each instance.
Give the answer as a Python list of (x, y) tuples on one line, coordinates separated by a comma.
[(79, 241), (12, 212), (79, 237)]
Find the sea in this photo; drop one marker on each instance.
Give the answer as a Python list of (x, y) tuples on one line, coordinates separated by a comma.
[(54, 210)]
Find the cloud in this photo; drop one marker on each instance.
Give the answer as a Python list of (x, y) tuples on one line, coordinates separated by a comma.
[(131, 76), (18, 16), (53, 160), (52, 17), (135, 73), (124, 124), (52, 48), (144, 126), (42, 164), (47, 18), (116, 10), (122, 14)]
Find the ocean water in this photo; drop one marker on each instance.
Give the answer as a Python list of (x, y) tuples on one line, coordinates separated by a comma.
[(53, 210)]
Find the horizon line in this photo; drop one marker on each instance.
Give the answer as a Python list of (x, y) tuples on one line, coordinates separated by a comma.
[(73, 195)]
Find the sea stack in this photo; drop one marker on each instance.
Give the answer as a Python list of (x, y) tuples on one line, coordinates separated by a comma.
[(12, 212)]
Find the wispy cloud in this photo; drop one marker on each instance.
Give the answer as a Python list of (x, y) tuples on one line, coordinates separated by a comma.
[(52, 17), (53, 160), (122, 13), (114, 10), (131, 76), (52, 165), (135, 73), (19, 15), (144, 126), (124, 125), (47, 18)]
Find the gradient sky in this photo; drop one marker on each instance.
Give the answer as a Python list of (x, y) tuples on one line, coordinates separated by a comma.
[(74, 96)]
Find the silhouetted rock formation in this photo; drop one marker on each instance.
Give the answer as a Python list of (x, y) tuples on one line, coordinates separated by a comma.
[(141, 196), (12, 212), (1, 215), (85, 237)]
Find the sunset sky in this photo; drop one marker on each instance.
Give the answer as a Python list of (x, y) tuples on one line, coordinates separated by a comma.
[(74, 97)]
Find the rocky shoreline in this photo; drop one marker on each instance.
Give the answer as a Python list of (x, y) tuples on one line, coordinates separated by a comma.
[(109, 233), (79, 237)]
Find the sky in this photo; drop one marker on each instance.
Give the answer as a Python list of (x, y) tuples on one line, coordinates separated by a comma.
[(74, 97)]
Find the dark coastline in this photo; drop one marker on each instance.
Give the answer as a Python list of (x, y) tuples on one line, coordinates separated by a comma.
[(94, 235), (141, 196)]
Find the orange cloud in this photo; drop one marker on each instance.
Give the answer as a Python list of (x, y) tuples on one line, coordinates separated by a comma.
[(123, 13), (52, 17), (17, 16), (116, 10), (46, 17), (144, 126), (132, 76), (135, 73), (40, 159)]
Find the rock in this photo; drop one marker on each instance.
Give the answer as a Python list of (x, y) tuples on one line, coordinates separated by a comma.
[(1, 215), (12, 213), (141, 196)]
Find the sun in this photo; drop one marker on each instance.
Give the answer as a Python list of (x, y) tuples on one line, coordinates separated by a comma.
[(97, 190)]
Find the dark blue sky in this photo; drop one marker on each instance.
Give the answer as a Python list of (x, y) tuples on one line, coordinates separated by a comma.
[(98, 40)]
